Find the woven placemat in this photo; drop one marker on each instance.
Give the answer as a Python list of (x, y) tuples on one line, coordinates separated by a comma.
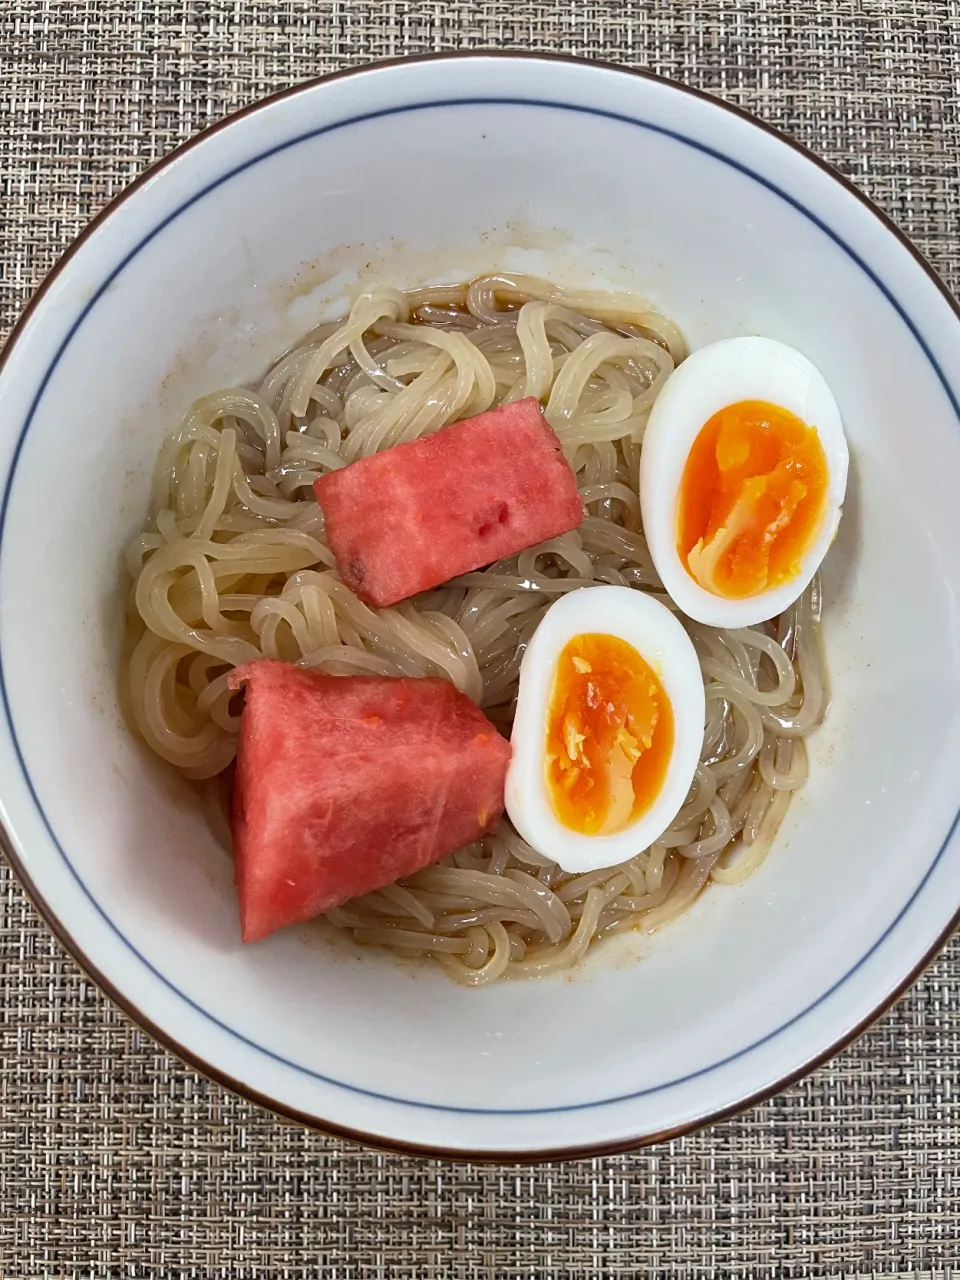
[(116, 1161)]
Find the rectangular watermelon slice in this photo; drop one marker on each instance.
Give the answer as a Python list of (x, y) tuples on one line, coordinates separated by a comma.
[(418, 514), (345, 783)]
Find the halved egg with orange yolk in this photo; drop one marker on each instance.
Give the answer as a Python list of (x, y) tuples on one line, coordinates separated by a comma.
[(743, 471), (607, 730)]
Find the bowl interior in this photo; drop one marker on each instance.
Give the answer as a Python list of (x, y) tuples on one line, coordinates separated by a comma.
[(207, 296)]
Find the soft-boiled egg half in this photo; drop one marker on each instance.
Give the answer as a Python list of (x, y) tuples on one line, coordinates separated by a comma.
[(742, 476), (608, 728)]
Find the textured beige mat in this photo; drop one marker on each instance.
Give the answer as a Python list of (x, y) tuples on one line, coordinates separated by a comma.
[(115, 1161)]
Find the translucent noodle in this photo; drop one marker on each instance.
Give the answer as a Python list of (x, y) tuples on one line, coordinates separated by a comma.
[(232, 565)]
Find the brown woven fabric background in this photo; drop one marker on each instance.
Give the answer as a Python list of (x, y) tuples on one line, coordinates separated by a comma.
[(115, 1161)]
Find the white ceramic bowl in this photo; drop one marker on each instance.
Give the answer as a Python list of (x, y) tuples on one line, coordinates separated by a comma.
[(211, 265)]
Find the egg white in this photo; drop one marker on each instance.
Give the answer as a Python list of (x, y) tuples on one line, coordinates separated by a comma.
[(660, 639), (718, 375)]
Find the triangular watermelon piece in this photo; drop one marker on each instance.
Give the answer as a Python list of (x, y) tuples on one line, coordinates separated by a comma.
[(345, 783)]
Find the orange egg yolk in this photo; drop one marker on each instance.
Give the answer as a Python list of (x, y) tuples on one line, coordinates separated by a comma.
[(752, 499), (609, 735)]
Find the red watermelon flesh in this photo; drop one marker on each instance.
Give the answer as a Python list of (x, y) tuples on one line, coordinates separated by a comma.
[(345, 783), (418, 514)]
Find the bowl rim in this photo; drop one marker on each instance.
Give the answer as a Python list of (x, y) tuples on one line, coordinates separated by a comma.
[(188, 1056)]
